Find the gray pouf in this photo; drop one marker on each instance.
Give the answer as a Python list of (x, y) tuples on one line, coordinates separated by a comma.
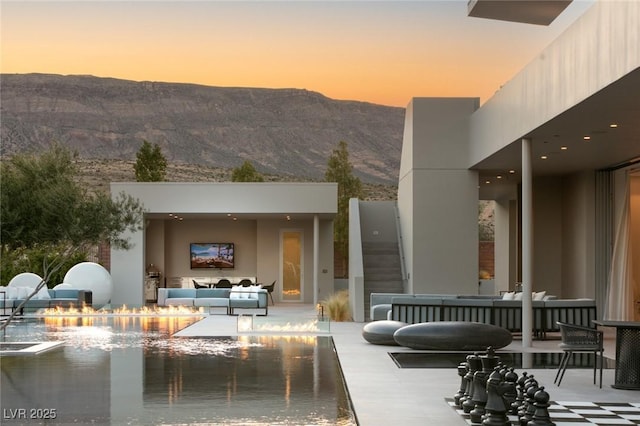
[(453, 336), (381, 332)]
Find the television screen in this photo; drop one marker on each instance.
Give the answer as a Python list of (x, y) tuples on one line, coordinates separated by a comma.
[(212, 255)]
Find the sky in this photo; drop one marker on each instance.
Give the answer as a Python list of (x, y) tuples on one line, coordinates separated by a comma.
[(384, 52)]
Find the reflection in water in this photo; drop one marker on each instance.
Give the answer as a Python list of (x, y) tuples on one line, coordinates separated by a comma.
[(130, 371)]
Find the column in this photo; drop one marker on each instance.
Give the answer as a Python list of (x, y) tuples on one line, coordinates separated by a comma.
[(527, 243), (316, 256)]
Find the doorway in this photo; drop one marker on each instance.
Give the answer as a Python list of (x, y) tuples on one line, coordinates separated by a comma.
[(291, 270)]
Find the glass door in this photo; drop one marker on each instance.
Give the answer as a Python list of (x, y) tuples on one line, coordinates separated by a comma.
[(291, 265)]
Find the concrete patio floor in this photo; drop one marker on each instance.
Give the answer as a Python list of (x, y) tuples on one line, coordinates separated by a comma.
[(383, 394)]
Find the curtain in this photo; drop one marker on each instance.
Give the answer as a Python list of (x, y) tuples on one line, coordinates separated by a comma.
[(620, 299)]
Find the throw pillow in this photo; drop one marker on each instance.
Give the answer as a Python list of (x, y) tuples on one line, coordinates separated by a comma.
[(254, 291), (235, 292), (244, 292), (510, 295), (12, 292), (43, 294), (518, 296), (539, 295)]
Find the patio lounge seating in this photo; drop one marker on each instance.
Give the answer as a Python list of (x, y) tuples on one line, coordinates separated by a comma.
[(486, 309), (229, 298), (12, 297)]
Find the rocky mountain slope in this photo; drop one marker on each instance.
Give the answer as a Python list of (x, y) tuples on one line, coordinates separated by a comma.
[(284, 132)]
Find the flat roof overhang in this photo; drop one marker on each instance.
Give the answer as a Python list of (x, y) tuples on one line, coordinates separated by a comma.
[(242, 201), (538, 12), (579, 139)]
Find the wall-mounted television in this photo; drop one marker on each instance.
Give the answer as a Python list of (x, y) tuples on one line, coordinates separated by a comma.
[(212, 255)]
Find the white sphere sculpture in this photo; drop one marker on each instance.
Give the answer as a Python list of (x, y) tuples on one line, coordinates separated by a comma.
[(25, 279), (94, 277)]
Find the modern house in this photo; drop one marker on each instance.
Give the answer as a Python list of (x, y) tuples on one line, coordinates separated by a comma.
[(557, 148), (280, 232)]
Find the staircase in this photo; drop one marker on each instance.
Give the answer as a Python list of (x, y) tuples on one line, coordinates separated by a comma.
[(382, 270)]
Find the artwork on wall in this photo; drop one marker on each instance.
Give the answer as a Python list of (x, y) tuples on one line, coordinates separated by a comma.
[(212, 255)]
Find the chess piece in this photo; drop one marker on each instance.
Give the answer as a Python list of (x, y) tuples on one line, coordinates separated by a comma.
[(462, 371), (496, 410), (515, 406), (489, 360), (530, 400), (510, 396), (479, 396), (541, 415), (467, 389), (475, 364), (489, 363), (525, 400)]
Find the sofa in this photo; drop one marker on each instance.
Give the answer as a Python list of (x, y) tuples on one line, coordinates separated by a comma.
[(490, 309), (12, 297), (252, 297)]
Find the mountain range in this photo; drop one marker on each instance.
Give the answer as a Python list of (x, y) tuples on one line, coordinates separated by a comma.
[(285, 132)]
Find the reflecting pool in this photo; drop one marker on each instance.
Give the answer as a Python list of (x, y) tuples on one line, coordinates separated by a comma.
[(127, 370)]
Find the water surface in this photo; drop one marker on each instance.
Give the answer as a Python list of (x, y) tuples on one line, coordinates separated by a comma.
[(131, 371)]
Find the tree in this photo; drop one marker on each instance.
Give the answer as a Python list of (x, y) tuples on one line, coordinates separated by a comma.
[(246, 173), (41, 202), (151, 165), (339, 170), (43, 208)]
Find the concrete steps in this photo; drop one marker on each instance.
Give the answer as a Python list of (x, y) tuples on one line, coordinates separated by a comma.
[(382, 270)]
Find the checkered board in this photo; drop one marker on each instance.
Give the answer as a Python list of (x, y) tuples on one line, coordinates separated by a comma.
[(568, 413)]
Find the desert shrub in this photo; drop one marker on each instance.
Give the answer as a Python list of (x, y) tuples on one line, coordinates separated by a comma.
[(337, 306)]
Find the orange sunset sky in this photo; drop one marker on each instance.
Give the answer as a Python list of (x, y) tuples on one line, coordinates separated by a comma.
[(384, 52)]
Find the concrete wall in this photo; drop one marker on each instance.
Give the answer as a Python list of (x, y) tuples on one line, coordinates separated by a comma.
[(598, 41), (506, 249), (634, 204), (257, 240), (547, 234), (356, 263), (378, 221), (578, 237), (179, 234), (438, 197)]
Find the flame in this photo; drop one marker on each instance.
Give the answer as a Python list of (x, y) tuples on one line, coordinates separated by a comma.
[(310, 326), (88, 311)]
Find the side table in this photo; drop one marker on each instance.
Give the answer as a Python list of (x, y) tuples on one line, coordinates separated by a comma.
[(627, 353)]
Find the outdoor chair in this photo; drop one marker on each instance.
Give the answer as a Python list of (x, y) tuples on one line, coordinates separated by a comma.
[(576, 338), (269, 289), (245, 282), (224, 283), (196, 285)]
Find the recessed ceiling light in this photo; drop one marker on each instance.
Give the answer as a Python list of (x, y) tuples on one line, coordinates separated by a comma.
[(586, 138), (499, 176), (228, 214), (487, 181), (564, 148), (512, 171), (613, 125), (544, 157)]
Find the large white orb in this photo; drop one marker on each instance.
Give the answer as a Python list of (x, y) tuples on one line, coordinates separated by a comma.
[(94, 277), (25, 279)]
